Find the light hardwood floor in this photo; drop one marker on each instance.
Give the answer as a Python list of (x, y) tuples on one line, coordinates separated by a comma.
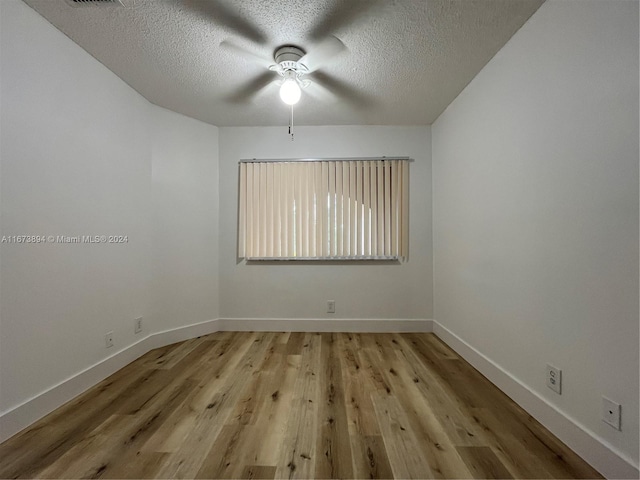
[(292, 405)]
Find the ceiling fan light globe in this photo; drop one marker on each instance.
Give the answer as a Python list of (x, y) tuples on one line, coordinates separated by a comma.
[(290, 92)]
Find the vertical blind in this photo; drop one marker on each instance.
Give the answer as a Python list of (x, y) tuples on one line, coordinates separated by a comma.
[(346, 209)]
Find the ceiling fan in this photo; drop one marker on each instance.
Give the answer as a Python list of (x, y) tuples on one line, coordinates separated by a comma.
[(296, 68), (291, 66)]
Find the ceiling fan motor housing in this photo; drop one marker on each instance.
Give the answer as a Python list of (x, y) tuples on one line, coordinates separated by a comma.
[(287, 57)]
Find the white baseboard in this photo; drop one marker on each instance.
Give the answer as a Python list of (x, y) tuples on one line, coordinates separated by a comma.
[(373, 325), (21, 416), (592, 448)]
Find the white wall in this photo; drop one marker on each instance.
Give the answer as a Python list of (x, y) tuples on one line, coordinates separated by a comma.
[(78, 150), (293, 290), (536, 210), (185, 220)]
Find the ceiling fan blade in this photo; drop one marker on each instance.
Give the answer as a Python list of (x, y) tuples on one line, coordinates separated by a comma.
[(245, 93), (248, 55), (343, 90), (323, 53), (320, 93), (220, 14), (343, 14)]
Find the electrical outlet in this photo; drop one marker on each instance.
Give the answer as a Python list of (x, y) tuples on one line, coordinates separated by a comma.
[(137, 325), (108, 340), (611, 412), (331, 306), (554, 379)]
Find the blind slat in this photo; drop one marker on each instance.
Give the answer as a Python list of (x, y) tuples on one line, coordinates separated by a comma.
[(323, 197), (352, 210), (373, 185), (288, 187), (387, 208), (404, 250), (252, 237), (298, 209), (242, 211), (305, 212), (332, 209), (317, 172), (359, 211), (380, 208), (277, 207), (346, 204), (269, 217), (366, 213), (395, 204), (339, 211)]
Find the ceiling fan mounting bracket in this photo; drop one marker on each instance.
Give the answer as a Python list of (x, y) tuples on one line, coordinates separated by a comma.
[(288, 53)]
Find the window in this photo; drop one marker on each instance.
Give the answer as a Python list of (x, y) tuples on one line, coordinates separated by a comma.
[(324, 209)]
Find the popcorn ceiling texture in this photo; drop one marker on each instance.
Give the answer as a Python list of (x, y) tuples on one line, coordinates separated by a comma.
[(406, 60)]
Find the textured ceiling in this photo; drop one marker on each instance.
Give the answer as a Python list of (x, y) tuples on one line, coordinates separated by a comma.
[(404, 62)]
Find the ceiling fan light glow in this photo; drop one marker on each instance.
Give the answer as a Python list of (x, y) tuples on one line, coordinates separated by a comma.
[(290, 90)]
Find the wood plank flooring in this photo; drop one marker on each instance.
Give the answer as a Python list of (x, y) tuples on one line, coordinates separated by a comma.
[(292, 405)]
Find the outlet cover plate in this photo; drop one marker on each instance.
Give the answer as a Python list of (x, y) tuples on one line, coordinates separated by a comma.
[(554, 379), (108, 340), (137, 325), (331, 306), (611, 413)]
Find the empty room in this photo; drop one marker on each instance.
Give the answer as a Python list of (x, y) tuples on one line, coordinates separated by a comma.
[(319, 239)]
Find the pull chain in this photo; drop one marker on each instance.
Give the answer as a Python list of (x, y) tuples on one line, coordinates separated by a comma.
[(291, 124)]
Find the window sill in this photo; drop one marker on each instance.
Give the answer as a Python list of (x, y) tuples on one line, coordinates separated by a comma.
[(392, 258)]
